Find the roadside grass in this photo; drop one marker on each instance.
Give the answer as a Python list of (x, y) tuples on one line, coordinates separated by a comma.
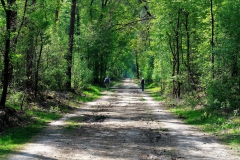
[(224, 128), (36, 118), (90, 93), (13, 138), (116, 84), (155, 92)]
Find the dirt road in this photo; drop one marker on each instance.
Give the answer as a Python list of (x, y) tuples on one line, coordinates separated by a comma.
[(125, 124)]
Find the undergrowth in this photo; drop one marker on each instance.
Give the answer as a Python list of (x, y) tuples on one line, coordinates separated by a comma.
[(38, 114), (90, 93), (225, 127), (156, 93)]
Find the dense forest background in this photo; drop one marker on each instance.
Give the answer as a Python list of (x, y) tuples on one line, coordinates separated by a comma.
[(190, 48)]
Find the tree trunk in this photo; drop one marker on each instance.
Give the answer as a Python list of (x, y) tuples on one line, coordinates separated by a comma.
[(178, 55), (212, 38), (173, 62), (188, 47), (11, 17), (30, 50), (91, 10), (137, 65), (29, 64), (38, 66), (57, 10), (70, 45)]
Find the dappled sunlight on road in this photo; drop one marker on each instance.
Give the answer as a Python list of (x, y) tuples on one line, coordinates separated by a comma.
[(124, 124)]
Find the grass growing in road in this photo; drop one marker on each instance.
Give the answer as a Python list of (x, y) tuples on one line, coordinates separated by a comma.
[(71, 126), (37, 116)]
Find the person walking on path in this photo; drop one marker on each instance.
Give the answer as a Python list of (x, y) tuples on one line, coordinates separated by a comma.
[(107, 82), (142, 83)]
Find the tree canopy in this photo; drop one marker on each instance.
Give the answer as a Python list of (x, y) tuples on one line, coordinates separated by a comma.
[(188, 47)]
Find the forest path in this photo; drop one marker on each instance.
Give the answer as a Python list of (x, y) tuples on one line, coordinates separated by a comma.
[(125, 124)]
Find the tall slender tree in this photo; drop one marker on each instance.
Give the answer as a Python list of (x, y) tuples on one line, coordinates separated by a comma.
[(212, 37), (70, 45), (11, 17)]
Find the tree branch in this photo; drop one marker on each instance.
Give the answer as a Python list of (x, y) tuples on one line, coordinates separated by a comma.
[(4, 5), (128, 23), (23, 20)]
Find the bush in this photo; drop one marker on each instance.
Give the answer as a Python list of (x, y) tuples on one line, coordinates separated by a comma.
[(223, 94)]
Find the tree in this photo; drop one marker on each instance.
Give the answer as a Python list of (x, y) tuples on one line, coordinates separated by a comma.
[(11, 17), (212, 36), (70, 44)]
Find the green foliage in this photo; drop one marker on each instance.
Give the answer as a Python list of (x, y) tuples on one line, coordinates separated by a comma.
[(172, 47), (156, 93), (53, 79), (168, 41), (82, 76), (223, 95), (90, 93), (17, 98)]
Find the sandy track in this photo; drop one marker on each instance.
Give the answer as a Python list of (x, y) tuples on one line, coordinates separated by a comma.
[(124, 125)]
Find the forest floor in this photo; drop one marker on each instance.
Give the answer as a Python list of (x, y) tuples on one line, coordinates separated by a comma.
[(124, 124)]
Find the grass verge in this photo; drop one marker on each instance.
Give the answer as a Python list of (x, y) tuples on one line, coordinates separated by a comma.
[(90, 93), (13, 138), (37, 116), (224, 128), (155, 92)]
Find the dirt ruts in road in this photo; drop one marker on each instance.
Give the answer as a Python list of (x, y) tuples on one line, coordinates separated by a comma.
[(125, 124)]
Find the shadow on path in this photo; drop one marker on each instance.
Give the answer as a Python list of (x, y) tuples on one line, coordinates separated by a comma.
[(125, 124)]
